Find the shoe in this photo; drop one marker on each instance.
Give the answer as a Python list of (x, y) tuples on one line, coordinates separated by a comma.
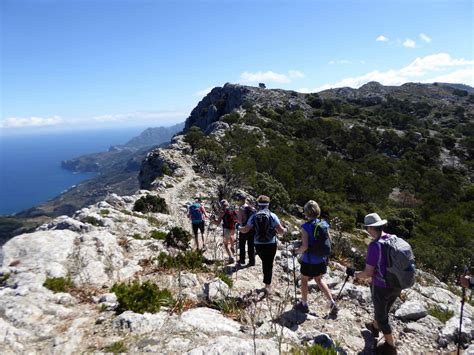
[(231, 260), (386, 348), (334, 309), (375, 331), (302, 307)]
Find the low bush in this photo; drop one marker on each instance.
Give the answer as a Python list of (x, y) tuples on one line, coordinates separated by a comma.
[(178, 238), (104, 212), (58, 284), (141, 298), (315, 349), (159, 235), (190, 260), (116, 348), (150, 203), (4, 278), (442, 315), (224, 277), (92, 220)]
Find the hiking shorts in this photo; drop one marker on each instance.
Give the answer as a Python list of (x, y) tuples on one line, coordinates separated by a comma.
[(228, 234), (198, 226), (383, 299), (313, 270)]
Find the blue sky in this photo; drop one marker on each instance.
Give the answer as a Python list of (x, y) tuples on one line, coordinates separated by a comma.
[(79, 63)]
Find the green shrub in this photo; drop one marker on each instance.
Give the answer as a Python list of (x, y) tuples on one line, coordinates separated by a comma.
[(58, 284), (116, 348), (178, 238), (224, 277), (159, 235), (166, 170), (442, 315), (94, 221), (189, 260), (150, 203), (138, 236), (104, 212), (4, 278), (314, 350), (141, 298)]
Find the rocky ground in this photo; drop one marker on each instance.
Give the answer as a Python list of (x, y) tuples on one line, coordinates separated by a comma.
[(98, 246)]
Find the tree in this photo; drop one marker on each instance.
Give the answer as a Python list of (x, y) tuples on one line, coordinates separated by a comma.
[(194, 137)]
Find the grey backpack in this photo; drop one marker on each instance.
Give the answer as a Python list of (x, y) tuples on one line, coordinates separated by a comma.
[(400, 262)]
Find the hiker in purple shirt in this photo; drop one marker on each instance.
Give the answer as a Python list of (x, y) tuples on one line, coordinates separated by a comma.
[(383, 296)]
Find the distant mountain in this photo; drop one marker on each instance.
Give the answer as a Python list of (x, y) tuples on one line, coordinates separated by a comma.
[(465, 87)]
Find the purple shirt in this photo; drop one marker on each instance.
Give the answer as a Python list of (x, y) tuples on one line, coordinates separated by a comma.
[(373, 255)]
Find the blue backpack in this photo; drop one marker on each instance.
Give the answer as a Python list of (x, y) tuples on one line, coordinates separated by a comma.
[(322, 241), (195, 212)]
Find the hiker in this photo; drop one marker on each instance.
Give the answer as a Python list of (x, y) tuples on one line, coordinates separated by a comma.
[(245, 212), (466, 281), (383, 296), (266, 225), (313, 262), (229, 220), (197, 213)]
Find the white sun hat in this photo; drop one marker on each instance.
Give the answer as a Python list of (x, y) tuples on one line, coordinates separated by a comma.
[(374, 220)]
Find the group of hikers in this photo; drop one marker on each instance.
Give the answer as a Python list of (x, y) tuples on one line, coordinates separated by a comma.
[(258, 229)]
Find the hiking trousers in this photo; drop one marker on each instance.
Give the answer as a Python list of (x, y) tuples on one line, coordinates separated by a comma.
[(266, 252), (383, 299), (246, 238)]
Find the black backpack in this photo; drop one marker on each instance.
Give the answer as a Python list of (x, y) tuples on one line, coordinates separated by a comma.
[(249, 211), (264, 232), (322, 245)]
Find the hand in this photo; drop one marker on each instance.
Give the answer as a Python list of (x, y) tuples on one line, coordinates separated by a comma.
[(350, 272)]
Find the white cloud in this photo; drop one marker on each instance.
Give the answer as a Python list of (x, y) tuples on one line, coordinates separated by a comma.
[(140, 116), (409, 43), (295, 74), (19, 122), (436, 67), (425, 38), (204, 92), (261, 76), (381, 38), (340, 61)]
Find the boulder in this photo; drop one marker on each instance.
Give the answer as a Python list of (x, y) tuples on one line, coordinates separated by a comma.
[(216, 290), (210, 321), (236, 345), (450, 331), (140, 323), (411, 310)]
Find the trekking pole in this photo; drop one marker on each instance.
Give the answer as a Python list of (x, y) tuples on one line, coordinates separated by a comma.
[(463, 299), (294, 276), (286, 248), (353, 250)]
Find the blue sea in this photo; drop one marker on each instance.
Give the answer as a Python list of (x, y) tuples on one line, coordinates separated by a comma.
[(30, 164)]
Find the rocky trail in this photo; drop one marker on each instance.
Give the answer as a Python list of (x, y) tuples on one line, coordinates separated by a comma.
[(108, 243)]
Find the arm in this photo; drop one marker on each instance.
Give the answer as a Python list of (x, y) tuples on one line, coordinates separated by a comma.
[(246, 228), (203, 210), (218, 220), (366, 273), (304, 239), (280, 229)]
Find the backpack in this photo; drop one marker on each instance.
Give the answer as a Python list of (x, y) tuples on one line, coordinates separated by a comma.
[(195, 212), (400, 262), (229, 219), (264, 232), (322, 245), (249, 211)]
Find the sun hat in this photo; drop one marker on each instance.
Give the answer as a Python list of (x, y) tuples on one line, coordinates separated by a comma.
[(263, 200), (224, 203), (374, 220)]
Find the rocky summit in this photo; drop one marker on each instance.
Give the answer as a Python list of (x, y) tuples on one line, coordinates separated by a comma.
[(111, 278)]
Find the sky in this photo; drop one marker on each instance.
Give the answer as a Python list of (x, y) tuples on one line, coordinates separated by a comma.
[(80, 63)]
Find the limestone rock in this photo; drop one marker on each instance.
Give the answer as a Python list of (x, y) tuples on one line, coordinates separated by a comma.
[(140, 323), (216, 290), (210, 321), (236, 345), (411, 310)]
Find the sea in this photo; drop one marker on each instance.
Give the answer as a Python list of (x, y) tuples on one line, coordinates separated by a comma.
[(30, 163)]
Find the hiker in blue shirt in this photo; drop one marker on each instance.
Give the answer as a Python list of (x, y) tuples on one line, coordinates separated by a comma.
[(267, 225), (197, 213)]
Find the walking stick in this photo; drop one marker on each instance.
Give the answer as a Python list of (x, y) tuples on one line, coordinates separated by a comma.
[(463, 299), (294, 276), (286, 248)]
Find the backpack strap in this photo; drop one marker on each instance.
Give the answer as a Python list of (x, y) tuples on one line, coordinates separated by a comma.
[(379, 261)]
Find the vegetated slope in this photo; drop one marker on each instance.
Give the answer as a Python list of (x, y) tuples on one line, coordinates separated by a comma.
[(405, 152)]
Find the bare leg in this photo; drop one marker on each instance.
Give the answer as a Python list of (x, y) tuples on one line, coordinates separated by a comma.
[(323, 287), (389, 339), (304, 287)]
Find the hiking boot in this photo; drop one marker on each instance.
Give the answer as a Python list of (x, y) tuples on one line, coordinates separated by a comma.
[(231, 260), (375, 331), (386, 348), (302, 307)]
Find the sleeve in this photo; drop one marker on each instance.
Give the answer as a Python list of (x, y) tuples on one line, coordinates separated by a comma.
[(372, 255), (275, 220)]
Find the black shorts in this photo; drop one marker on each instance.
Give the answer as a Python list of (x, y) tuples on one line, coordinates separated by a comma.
[(198, 226), (313, 270)]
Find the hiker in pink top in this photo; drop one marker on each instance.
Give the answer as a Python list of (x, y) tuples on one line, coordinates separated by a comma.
[(383, 296)]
